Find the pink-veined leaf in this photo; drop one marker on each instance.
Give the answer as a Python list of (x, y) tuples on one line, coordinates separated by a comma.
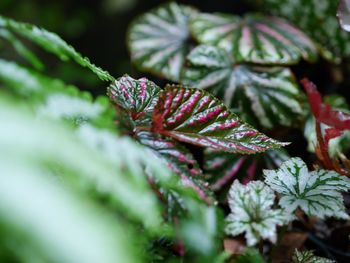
[(317, 19), (254, 38), (136, 97), (179, 159), (324, 112), (195, 116), (222, 168)]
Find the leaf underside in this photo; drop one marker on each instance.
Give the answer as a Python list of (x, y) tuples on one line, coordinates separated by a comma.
[(195, 116), (267, 95), (254, 38), (158, 40)]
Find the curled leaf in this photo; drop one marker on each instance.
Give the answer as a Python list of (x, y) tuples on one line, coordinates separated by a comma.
[(136, 97), (324, 112)]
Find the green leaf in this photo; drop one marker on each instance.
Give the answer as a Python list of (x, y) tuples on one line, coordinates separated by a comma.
[(317, 193), (200, 232), (53, 98), (317, 18), (308, 256), (59, 225), (179, 159), (269, 94), (136, 97), (119, 178), (159, 40), (195, 116), (252, 213), (251, 255), (22, 49), (254, 38), (52, 43)]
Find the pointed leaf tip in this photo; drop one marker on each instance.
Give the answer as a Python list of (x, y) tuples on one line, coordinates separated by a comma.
[(195, 116)]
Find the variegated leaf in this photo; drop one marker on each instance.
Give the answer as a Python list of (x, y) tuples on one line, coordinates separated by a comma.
[(252, 213), (195, 116), (317, 18), (316, 193), (178, 159), (265, 95), (158, 40), (254, 38), (137, 97), (223, 167), (308, 256)]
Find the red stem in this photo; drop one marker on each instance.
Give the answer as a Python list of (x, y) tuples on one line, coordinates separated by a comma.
[(325, 159)]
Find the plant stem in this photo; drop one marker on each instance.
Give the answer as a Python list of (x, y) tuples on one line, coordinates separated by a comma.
[(325, 159)]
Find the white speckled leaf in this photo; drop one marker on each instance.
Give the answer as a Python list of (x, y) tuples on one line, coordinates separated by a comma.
[(158, 40), (308, 256), (316, 193), (269, 95), (254, 38), (252, 213)]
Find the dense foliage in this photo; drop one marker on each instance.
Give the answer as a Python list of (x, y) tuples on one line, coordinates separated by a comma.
[(191, 171)]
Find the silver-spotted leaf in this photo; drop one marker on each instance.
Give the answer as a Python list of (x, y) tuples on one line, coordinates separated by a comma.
[(254, 38), (267, 95), (158, 40), (252, 213), (136, 97), (179, 159), (308, 256), (195, 116), (317, 193)]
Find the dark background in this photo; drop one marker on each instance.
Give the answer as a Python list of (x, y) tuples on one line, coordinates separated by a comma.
[(96, 29)]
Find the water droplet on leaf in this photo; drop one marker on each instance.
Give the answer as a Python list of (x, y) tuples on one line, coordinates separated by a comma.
[(343, 14)]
